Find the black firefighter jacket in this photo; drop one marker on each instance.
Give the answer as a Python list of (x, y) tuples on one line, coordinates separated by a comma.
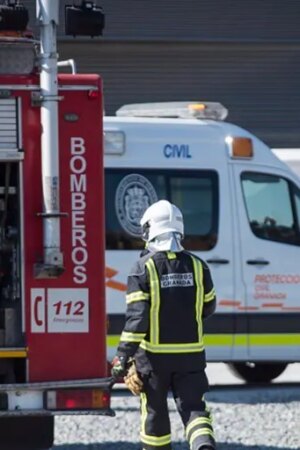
[(168, 296)]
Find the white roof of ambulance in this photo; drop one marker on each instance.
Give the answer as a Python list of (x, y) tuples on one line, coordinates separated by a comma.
[(146, 137)]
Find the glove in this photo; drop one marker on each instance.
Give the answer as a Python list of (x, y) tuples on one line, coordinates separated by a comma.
[(119, 367), (133, 380)]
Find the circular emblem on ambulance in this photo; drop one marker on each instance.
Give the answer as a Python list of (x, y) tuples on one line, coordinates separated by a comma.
[(134, 195)]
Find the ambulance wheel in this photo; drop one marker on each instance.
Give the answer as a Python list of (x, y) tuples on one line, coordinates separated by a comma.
[(257, 372)]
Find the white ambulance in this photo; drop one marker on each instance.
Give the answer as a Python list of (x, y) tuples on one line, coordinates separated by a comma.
[(241, 207)]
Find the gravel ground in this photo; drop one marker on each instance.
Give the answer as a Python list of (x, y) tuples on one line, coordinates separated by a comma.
[(244, 419)]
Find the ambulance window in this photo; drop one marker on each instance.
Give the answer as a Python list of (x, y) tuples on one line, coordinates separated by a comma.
[(129, 193), (195, 197), (271, 207)]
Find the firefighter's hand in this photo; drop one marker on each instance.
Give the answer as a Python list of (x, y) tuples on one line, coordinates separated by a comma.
[(119, 367), (133, 380)]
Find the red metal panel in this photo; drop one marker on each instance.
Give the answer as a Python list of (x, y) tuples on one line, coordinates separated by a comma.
[(65, 316)]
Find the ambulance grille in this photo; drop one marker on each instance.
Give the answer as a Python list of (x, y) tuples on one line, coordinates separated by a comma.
[(8, 124)]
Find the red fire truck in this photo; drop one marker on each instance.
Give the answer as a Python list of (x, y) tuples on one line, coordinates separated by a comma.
[(52, 296)]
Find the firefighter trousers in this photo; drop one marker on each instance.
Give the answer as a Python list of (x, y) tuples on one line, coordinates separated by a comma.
[(188, 391)]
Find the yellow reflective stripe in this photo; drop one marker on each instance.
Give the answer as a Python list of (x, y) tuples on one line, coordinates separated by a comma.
[(222, 340), (274, 339), (172, 348), (146, 439), (155, 302), (137, 296), (268, 340), (171, 255), (198, 421), (126, 336), (225, 340), (112, 340), (198, 273), (207, 409), (201, 432), (155, 440), (143, 412), (210, 296), (240, 340), (10, 353)]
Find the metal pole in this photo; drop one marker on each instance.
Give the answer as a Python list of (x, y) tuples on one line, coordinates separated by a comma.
[(48, 17)]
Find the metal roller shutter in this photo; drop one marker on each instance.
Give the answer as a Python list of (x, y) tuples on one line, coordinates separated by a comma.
[(258, 83), (194, 19)]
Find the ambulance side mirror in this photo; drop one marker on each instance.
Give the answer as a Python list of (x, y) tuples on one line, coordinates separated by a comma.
[(84, 20)]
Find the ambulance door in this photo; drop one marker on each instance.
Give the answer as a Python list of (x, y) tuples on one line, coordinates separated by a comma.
[(209, 227), (268, 212)]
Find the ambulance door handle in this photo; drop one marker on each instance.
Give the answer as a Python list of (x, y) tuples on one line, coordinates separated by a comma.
[(258, 262), (217, 261)]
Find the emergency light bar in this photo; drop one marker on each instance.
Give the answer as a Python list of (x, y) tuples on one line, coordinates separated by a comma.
[(184, 110)]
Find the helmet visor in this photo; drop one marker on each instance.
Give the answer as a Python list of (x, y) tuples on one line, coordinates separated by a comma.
[(145, 231), (170, 242)]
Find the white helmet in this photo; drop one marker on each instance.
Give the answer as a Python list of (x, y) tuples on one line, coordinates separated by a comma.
[(161, 217)]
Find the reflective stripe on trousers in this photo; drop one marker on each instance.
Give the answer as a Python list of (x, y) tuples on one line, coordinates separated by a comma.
[(188, 390), (155, 425), (199, 430)]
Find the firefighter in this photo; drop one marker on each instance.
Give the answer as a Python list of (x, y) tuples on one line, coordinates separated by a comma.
[(170, 292)]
